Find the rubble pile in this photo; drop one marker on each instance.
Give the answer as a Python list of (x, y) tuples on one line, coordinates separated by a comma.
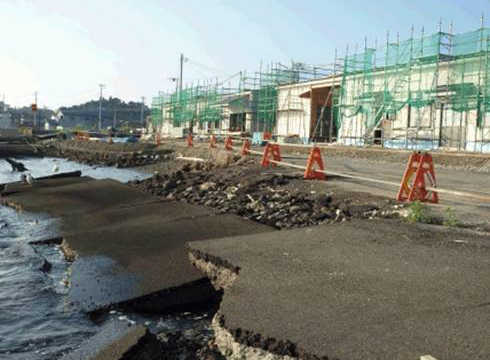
[(264, 197), (119, 160), (101, 153), (110, 158)]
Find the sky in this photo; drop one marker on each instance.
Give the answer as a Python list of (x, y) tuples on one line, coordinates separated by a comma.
[(63, 49)]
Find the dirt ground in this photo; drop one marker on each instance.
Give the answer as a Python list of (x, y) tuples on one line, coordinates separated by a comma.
[(453, 172), (466, 172)]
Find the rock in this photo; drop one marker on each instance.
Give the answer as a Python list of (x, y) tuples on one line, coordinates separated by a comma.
[(323, 200), (254, 205), (207, 186), (221, 157), (169, 184), (46, 266)]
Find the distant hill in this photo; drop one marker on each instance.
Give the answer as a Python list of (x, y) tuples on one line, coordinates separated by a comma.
[(125, 112)]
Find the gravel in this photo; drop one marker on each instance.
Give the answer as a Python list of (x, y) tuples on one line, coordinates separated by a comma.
[(262, 196)]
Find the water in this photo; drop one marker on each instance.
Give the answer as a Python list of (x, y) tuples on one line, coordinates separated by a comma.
[(35, 321), (44, 166)]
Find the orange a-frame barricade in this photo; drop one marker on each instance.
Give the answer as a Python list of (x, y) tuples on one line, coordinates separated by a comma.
[(245, 148), (82, 136), (212, 142), (421, 168), (229, 143), (189, 141), (314, 158), (271, 151)]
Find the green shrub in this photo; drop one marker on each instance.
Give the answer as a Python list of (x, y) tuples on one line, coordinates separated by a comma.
[(418, 212), (450, 218)]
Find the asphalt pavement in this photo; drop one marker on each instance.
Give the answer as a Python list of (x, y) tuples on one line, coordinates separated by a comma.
[(360, 290), (130, 246)]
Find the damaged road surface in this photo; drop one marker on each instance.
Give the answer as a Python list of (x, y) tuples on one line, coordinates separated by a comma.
[(357, 290), (128, 247)]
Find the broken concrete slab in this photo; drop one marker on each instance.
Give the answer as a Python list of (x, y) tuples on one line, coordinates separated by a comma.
[(117, 349), (376, 289), (20, 150), (113, 338), (146, 244), (65, 196), (129, 246)]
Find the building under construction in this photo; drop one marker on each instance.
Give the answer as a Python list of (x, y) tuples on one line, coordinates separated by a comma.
[(242, 103), (427, 92)]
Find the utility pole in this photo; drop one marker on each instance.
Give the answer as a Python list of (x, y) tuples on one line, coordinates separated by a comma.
[(181, 70), (114, 124), (142, 109), (34, 109), (182, 60), (181, 74), (100, 106)]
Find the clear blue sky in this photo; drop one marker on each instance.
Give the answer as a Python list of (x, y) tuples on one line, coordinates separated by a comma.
[(65, 48)]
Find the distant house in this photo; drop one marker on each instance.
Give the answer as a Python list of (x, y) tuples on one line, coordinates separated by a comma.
[(6, 121), (82, 118), (51, 124)]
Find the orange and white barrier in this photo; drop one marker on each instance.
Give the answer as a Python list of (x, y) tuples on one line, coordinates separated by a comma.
[(229, 143), (420, 169), (212, 142), (245, 148), (82, 136), (315, 157), (271, 152), (422, 188)]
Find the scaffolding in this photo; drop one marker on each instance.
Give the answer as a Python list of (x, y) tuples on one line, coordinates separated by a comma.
[(208, 103), (264, 85), (430, 91), (201, 105)]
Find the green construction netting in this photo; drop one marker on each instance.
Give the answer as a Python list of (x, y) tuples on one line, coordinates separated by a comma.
[(266, 107), (385, 79), (156, 115), (207, 104), (197, 104), (469, 83)]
